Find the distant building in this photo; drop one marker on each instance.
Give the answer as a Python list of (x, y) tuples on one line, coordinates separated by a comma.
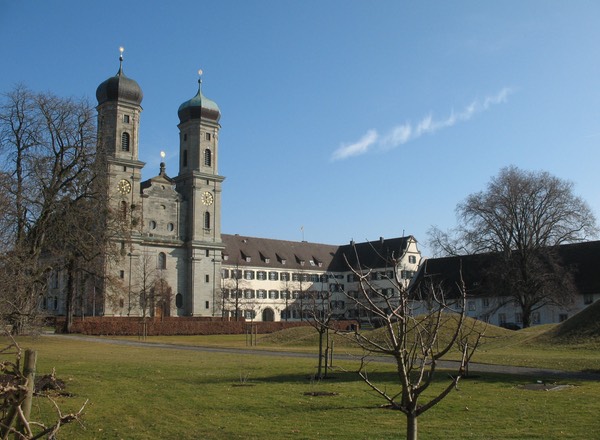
[(582, 261)]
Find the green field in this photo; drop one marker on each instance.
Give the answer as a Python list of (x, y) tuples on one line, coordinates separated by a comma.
[(151, 392)]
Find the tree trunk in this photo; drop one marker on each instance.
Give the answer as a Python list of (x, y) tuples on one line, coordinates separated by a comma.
[(320, 365), (411, 427), (70, 298), (526, 316)]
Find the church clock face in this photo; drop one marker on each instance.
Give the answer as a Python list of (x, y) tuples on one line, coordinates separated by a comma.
[(207, 198), (124, 187)]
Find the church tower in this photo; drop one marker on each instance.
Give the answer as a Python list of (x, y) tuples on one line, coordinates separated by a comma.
[(119, 108), (200, 185)]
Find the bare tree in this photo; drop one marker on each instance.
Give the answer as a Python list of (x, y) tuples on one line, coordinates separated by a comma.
[(162, 294), (522, 217), (319, 309), (47, 146), (232, 292), (411, 333), (147, 277)]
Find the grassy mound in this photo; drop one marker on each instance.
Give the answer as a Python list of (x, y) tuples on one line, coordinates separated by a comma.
[(308, 336), (582, 327)]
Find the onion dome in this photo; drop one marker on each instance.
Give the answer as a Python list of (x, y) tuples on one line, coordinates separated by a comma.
[(119, 88), (199, 107)]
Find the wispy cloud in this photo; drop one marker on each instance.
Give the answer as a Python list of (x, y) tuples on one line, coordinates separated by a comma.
[(406, 132), (357, 148)]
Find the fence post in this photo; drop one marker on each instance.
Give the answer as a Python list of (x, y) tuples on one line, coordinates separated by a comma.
[(29, 373)]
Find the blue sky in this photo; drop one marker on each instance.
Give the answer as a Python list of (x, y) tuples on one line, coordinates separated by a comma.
[(351, 119)]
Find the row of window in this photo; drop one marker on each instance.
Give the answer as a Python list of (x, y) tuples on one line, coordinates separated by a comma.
[(207, 136), (384, 275), (152, 225), (263, 275), (239, 274), (207, 158), (274, 294)]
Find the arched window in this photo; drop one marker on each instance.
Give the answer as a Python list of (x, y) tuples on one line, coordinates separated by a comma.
[(125, 141), (207, 157), (184, 160), (162, 260), (207, 220)]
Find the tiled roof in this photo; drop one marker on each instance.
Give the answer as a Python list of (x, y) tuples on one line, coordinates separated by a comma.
[(583, 259), (264, 252), (370, 254)]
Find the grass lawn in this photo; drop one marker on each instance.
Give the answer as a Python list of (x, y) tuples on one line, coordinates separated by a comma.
[(148, 393)]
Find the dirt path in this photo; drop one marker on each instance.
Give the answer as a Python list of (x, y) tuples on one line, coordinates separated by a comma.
[(538, 373)]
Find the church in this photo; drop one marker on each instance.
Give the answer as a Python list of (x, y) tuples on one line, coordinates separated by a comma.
[(172, 258)]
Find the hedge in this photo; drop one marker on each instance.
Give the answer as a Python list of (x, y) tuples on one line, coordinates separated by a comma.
[(169, 326)]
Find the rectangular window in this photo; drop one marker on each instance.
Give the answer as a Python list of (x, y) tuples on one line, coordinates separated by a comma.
[(207, 253), (273, 294), (208, 136), (295, 277), (518, 318), (206, 304), (284, 276), (261, 294), (471, 305), (535, 317), (588, 298), (501, 318), (486, 302), (260, 275), (225, 293), (273, 276), (126, 119), (224, 273), (249, 274), (122, 274), (206, 278), (412, 259), (562, 317)]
